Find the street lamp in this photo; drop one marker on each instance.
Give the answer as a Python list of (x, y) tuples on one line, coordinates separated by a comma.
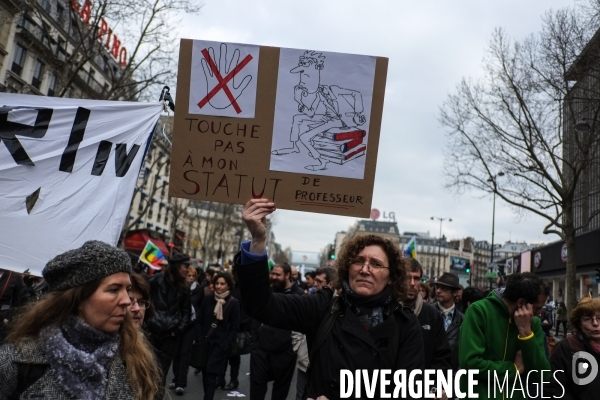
[(493, 180), (440, 240)]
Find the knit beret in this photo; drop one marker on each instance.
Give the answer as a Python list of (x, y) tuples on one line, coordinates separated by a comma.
[(92, 261)]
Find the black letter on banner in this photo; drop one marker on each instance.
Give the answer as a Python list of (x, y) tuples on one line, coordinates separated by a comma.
[(123, 160), (101, 157), (9, 130), (67, 160)]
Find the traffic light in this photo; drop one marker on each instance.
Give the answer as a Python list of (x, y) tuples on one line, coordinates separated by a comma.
[(332, 256), (468, 271), (598, 274), (501, 269), (332, 252)]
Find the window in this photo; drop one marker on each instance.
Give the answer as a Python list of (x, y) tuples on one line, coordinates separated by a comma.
[(90, 78), (45, 34), (140, 206), (150, 211), (60, 13), (166, 218), (46, 6), (60, 46), (18, 60), (163, 190), (159, 215), (38, 74), (52, 85)]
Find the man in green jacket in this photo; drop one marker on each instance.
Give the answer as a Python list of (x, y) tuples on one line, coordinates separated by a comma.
[(500, 337)]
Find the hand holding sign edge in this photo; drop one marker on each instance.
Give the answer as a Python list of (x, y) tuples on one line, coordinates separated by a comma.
[(255, 217)]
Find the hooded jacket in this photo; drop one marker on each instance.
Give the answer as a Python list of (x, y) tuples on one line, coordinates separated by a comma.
[(489, 342)]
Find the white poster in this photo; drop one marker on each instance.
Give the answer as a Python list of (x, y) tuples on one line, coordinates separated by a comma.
[(322, 113), (223, 79), (68, 168)]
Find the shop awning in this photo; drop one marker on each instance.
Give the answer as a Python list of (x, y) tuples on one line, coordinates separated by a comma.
[(136, 241)]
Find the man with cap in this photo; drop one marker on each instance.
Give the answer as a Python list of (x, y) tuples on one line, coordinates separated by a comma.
[(446, 288), (171, 298)]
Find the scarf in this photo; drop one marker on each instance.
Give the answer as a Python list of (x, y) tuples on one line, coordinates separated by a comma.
[(418, 306), (446, 311), (80, 356), (220, 298), (368, 309)]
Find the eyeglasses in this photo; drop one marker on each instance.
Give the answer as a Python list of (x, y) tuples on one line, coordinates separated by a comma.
[(372, 265), (589, 320), (141, 303)]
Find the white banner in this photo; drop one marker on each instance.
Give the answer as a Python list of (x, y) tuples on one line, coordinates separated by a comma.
[(68, 168)]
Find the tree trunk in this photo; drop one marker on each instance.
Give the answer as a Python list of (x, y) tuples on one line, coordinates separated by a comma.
[(571, 275)]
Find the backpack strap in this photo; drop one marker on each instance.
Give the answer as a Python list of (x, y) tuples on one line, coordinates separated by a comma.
[(27, 375)]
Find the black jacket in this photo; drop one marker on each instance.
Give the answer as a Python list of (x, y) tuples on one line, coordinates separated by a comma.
[(172, 307), (224, 334), (272, 339), (348, 346), (453, 333), (561, 361), (196, 297), (437, 349)]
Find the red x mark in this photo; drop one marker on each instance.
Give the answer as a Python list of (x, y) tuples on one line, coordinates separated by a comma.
[(223, 81)]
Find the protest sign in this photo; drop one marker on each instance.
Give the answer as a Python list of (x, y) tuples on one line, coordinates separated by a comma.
[(68, 168), (297, 126)]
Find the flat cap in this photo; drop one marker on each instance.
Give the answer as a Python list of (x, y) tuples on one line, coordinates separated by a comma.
[(92, 261)]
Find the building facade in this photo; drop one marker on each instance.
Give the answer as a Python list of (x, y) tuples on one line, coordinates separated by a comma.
[(42, 52)]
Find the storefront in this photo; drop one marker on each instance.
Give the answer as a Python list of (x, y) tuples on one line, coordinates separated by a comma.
[(550, 262)]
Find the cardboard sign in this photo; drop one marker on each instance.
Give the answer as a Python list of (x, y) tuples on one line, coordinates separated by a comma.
[(297, 126), (68, 168)]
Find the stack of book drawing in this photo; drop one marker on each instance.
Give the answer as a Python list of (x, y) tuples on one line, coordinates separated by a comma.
[(340, 145)]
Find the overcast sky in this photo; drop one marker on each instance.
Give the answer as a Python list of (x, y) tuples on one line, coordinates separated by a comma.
[(431, 45)]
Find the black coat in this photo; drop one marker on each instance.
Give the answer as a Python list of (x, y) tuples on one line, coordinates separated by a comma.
[(172, 307), (273, 339), (223, 336), (196, 297), (453, 334), (437, 349), (348, 346), (561, 361)]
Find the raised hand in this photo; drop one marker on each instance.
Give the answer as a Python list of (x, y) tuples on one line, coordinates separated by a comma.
[(523, 317), (218, 68), (255, 217)]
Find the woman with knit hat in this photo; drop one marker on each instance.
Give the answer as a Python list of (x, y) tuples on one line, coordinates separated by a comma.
[(79, 341), (219, 318)]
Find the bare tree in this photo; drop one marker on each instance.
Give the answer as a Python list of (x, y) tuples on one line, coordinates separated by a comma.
[(519, 119)]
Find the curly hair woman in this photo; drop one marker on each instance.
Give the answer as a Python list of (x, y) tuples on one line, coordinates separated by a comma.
[(364, 328), (79, 341)]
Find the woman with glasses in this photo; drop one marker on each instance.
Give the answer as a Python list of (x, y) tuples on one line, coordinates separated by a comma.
[(575, 356), (139, 295), (363, 328)]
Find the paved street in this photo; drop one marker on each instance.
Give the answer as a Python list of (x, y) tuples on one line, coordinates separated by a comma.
[(194, 388)]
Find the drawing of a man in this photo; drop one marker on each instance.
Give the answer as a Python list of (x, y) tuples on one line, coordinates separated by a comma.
[(309, 94)]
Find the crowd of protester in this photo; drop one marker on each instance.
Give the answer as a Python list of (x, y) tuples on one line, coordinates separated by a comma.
[(93, 327)]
